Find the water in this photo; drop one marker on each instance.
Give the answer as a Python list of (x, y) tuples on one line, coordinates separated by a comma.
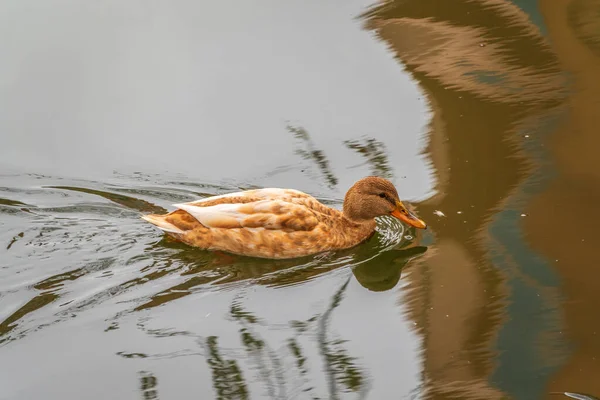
[(483, 113)]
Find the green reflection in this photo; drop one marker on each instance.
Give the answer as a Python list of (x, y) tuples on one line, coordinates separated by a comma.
[(340, 368), (8, 202), (238, 313), (383, 272), (49, 293), (266, 361), (297, 353), (148, 384), (374, 152), (228, 380), (32, 305), (126, 201), (311, 153), (14, 240)]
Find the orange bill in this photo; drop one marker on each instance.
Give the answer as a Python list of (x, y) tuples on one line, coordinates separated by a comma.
[(402, 213)]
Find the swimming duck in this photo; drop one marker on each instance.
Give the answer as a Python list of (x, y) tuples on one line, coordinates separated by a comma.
[(283, 223)]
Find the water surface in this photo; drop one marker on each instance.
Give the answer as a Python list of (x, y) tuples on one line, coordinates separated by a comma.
[(482, 112)]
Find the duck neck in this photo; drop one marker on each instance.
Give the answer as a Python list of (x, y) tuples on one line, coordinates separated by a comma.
[(362, 225)]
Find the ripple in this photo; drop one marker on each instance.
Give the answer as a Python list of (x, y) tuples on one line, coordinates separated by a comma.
[(95, 253)]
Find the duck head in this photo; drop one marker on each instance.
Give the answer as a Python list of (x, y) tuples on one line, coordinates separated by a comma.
[(373, 197)]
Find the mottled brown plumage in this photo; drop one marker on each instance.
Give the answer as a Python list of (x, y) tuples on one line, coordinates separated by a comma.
[(283, 223)]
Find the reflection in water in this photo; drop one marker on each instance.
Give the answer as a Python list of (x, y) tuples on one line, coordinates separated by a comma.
[(496, 91), (371, 149), (488, 48), (48, 294), (578, 396), (383, 273), (227, 377), (126, 201), (583, 17), (201, 267), (178, 271), (574, 193), (148, 384), (341, 370), (374, 153), (377, 267), (500, 295), (8, 202), (277, 369), (32, 305), (14, 239), (310, 152)]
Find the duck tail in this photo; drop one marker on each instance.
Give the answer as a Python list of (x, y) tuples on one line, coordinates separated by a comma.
[(160, 222)]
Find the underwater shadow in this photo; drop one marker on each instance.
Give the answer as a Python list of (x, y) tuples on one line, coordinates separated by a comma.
[(375, 265)]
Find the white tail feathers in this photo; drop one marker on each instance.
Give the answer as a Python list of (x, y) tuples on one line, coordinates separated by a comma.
[(160, 223), (215, 216)]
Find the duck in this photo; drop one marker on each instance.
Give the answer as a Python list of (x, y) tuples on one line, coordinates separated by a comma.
[(276, 223)]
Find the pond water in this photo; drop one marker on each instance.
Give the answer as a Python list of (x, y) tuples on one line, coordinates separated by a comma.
[(484, 113)]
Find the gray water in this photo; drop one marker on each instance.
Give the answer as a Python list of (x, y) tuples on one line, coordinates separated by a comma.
[(483, 113)]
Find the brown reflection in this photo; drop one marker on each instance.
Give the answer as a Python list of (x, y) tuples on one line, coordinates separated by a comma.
[(571, 236), (490, 77), (583, 17)]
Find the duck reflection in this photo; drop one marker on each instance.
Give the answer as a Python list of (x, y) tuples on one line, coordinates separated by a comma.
[(383, 273), (374, 269)]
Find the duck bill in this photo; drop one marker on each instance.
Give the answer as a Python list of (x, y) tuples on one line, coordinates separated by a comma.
[(402, 213)]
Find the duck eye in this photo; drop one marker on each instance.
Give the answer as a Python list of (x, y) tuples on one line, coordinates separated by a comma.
[(382, 195)]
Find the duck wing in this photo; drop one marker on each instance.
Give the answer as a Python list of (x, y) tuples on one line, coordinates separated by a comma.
[(266, 214), (249, 196), (271, 208)]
